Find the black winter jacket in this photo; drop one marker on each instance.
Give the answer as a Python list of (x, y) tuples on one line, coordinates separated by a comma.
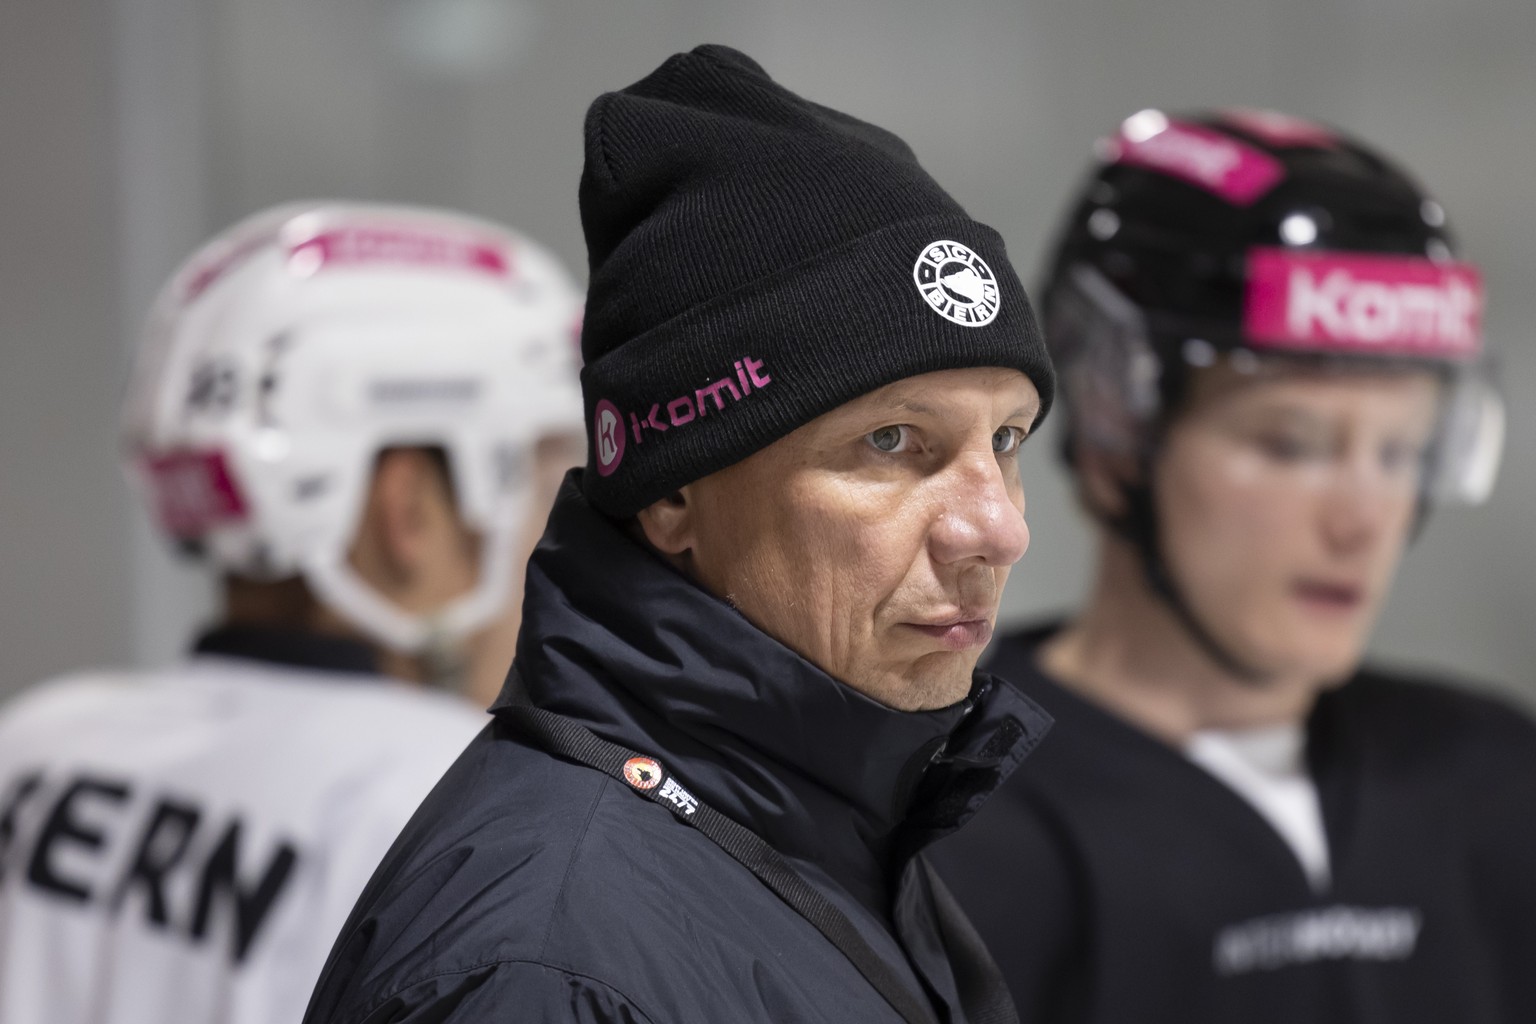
[(532, 888), (1118, 882)]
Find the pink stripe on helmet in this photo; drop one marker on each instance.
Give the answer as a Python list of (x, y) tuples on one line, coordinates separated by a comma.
[(205, 276), (353, 246), (194, 491), (1359, 303), (1221, 165)]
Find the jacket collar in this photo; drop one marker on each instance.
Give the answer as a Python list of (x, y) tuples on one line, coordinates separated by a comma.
[(296, 648), (615, 638)]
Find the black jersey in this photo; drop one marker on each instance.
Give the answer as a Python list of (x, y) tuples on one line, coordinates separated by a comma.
[(1118, 881)]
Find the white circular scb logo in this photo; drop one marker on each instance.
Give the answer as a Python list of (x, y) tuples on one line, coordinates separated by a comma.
[(957, 283)]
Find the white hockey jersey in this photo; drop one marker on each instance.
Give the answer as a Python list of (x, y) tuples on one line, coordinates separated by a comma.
[(185, 845)]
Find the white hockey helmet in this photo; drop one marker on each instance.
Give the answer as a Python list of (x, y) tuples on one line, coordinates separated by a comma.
[(290, 350)]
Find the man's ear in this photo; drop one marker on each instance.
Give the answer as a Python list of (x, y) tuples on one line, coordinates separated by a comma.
[(669, 524)]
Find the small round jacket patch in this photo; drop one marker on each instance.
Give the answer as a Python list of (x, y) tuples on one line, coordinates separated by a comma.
[(643, 772), (957, 283)]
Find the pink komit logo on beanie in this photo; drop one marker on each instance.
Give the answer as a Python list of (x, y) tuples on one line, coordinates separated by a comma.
[(750, 376), (1221, 165), (1363, 303), (607, 437)]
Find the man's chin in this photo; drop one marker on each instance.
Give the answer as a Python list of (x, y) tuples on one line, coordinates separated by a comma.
[(935, 681), (1306, 659), (1333, 669)]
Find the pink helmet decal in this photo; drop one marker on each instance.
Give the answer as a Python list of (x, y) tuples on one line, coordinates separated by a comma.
[(1221, 165), (607, 437), (194, 491), (1363, 303), (412, 246)]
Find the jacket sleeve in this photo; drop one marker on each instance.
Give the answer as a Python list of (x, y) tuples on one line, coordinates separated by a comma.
[(508, 992)]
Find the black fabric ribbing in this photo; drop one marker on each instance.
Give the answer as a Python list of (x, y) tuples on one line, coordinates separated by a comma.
[(565, 738), (729, 220)]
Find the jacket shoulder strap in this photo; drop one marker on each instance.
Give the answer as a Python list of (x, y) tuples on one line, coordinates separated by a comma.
[(646, 776)]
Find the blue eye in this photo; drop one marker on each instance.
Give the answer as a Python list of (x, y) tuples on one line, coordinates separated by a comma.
[(889, 439), (1006, 440)]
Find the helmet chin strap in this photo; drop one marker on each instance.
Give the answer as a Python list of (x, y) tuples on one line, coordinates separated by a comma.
[(1139, 526), (439, 640)]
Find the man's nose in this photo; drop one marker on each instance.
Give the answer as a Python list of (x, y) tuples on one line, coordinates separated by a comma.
[(1358, 504), (978, 518)]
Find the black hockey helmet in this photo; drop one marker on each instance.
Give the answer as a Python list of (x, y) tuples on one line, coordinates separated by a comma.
[(1253, 236), (1259, 239)]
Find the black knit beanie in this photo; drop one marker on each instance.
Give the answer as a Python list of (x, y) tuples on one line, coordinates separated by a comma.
[(757, 260)]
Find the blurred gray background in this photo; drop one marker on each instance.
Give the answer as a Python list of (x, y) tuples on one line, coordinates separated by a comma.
[(132, 129)]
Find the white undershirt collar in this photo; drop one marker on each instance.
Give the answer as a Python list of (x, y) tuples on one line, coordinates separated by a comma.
[(1267, 767)]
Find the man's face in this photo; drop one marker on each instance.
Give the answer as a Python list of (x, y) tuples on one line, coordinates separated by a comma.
[(874, 540), (1285, 503)]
